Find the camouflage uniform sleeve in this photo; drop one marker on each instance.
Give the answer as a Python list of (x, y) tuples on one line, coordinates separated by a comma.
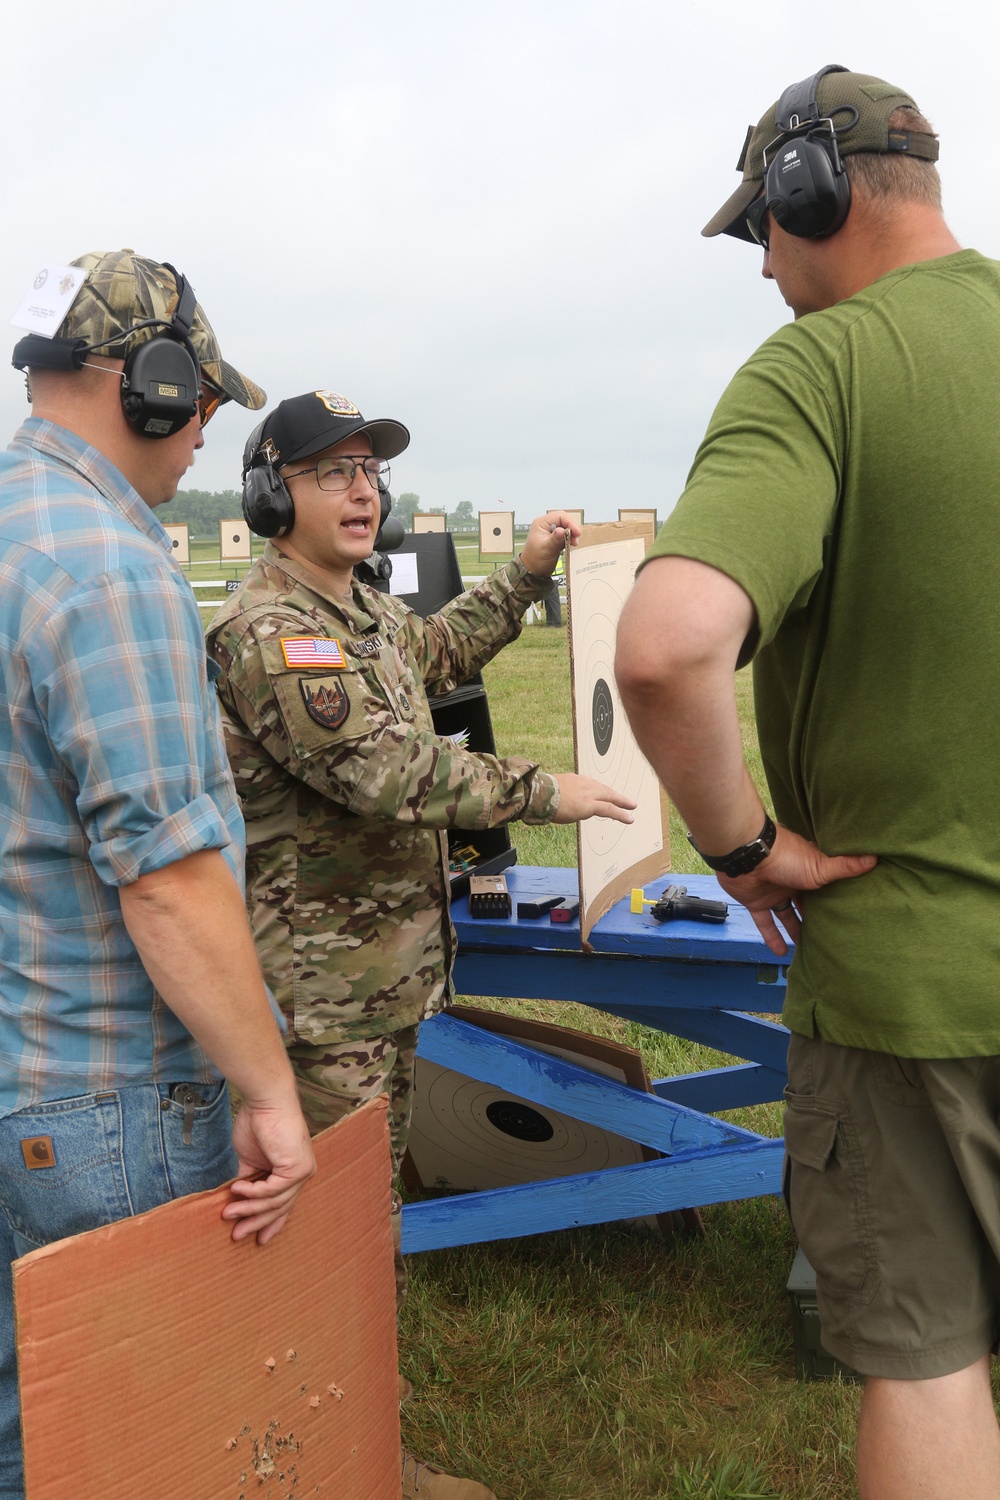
[(451, 646), (358, 738)]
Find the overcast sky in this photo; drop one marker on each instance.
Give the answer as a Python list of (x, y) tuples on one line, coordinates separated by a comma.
[(480, 219)]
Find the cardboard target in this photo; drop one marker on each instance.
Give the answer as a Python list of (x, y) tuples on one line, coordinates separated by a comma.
[(612, 856), (234, 541), (431, 520), (644, 518), (574, 515), (467, 1136), (496, 533), (179, 541)]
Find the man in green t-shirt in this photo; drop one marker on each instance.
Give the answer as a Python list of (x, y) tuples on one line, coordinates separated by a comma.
[(837, 528)]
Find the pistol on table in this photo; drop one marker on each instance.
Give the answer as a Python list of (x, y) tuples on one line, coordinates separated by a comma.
[(675, 904)]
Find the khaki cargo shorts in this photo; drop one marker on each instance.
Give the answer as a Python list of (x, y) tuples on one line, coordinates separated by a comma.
[(892, 1177)]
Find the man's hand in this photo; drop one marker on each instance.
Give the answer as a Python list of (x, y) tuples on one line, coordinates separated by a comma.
[(545, 541), (276, 1160), (775, 888), (582, 797), (212, 982)]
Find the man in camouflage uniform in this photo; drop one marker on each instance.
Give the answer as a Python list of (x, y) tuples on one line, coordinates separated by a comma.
[(348, 791)]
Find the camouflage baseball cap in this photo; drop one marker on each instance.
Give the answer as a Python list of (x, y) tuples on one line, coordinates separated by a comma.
[(859, 105), (122, 289)]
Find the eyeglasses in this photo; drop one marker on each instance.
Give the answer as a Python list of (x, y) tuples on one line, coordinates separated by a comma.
[(209, 401), (755, 216), (338, 473)]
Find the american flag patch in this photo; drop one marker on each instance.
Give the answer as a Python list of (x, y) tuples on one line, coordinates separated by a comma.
[(312, 651)]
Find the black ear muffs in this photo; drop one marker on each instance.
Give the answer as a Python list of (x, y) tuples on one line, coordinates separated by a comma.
[(161, 382), (267, 505), (806, 189), (160, 387), (268, 508)]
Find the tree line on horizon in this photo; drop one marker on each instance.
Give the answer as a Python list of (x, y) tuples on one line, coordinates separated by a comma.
[(204, 509)]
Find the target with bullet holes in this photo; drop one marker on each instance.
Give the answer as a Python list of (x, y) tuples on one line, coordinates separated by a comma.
[(496, 533), (234, 541)]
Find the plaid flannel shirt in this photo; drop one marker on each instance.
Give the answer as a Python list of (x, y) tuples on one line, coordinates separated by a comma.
[(111, 765)]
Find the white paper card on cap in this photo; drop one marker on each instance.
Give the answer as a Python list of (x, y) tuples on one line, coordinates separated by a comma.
[(48, 299), (404, 574)]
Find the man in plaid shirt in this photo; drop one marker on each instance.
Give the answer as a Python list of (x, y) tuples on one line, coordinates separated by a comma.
[(128, 978)]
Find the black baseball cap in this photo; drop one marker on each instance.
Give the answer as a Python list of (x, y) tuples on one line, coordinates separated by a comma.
[(304, 425)]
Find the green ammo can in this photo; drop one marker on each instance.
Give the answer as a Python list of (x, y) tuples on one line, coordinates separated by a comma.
[(812, 1362)]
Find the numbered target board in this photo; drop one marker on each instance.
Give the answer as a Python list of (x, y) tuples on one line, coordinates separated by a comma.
[(179, 542), (431, 520), (496, 533), (234, 541), (613, 857)]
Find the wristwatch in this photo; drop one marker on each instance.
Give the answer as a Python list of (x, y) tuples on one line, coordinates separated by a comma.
[(744, 859)]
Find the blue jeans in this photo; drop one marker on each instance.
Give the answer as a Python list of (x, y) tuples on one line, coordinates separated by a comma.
[(116, 1154)]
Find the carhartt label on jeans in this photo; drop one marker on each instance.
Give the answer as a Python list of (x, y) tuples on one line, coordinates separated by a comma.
[(38, 1151)]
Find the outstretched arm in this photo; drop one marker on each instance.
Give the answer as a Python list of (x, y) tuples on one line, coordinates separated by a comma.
[(188, 923), (679, 638)]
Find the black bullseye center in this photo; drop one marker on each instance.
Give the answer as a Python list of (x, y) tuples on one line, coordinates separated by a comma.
[(603, 716), (519, 1120)]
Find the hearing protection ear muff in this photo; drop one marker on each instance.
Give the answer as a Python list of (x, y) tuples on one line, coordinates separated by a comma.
[(806, 188), (161, 382), (268, 508)]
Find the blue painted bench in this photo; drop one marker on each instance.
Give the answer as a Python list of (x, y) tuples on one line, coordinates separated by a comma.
[(704, 983)]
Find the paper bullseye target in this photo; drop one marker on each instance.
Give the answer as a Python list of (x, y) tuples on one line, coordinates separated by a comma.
[(234, 541), (467, 1136), (605, 744), (471, 1136), (600, 578), (496, 533)]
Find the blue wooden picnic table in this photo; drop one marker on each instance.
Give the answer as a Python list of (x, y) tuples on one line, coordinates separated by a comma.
[(706, 983)]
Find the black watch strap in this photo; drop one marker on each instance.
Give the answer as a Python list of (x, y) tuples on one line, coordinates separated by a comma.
[(744, 859)]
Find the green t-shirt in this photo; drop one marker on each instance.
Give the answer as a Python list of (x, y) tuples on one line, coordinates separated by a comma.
[(850, 482)]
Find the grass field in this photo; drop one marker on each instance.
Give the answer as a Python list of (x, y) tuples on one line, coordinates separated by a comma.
[(613, 1361)]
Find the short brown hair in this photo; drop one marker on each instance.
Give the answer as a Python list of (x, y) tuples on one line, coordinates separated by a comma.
[(894, 176)]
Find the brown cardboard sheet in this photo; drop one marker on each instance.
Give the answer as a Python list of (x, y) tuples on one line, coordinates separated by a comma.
[(158, 1358)]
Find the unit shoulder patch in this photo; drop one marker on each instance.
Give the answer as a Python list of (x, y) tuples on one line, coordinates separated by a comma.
[(328, 704)]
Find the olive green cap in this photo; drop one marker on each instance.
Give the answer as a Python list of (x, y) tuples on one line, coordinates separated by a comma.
[(122, 289), (859, 106)]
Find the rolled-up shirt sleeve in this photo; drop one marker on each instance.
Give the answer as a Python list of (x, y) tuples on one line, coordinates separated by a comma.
[(119, 679)]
